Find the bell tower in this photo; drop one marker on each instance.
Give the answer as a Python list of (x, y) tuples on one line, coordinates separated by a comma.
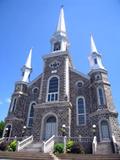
[(16, 114), (59, 40), (102, 106)]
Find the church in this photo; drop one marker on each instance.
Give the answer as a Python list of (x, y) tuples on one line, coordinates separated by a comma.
[(62, 96)]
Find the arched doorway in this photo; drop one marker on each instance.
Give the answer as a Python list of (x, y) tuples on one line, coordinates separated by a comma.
[(105, 132), (7, 130), (50, 127)]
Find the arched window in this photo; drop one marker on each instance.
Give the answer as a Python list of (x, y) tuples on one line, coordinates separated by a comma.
[(81, 111), (13, 104), (101, 98), (31, 114), (53, 89), (105, 133), (57, 46)]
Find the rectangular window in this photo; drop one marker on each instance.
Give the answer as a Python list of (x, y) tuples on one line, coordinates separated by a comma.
[(52, 97), (48, 97)]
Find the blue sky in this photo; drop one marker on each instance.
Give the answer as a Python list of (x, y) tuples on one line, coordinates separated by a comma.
[(31, 23)]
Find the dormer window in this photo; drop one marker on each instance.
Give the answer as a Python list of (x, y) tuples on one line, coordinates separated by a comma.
[(56, 46)]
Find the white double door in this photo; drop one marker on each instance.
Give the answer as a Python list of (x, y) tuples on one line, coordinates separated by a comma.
[(50, 129)]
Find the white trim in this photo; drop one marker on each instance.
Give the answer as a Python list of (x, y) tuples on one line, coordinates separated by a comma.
[(67, 88), (28, 115), (55, 53), (77, 111), (43, 123), (48, 81), (98, 96), (97, 70), (5, 130), (100, 131), (79, 73)]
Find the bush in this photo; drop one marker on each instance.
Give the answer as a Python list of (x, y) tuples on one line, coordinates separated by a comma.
[(77, 148), (69, 145), (12, 145), (58, 148), (3, 146)]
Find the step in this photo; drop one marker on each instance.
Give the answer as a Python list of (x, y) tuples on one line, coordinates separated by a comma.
[(104, 148), (25, 155), (88, 157), (34, 147)]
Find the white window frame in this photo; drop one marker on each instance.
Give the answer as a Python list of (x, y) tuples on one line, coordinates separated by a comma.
[(28, 117), (12, 104), (52, 92), (84, 114), (98, 95), (100, 131)]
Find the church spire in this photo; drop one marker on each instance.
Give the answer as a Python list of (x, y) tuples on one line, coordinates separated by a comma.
[(61, 22), (59, 39), (95, 59), (93, 46), (26, 70)]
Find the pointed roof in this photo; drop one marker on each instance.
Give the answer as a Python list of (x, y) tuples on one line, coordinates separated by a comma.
[(28, 62), (93, 46), (61, 22)]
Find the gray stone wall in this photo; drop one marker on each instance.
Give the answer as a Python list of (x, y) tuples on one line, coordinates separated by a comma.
[(48, 73), (75, 92), (60, 110)]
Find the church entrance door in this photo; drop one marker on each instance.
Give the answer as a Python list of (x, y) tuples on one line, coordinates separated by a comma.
[(105, 131), (50, 127)]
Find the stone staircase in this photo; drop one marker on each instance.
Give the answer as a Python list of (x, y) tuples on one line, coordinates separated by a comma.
[(88, 157), (25, 156), (104, 148), (33, 147)]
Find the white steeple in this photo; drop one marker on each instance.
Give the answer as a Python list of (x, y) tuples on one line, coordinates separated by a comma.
[(59, 39), (93, 46), (61, 22), (28, 62), (95, 59), (26, 70)]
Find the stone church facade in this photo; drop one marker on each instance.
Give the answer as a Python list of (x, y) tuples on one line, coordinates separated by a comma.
[(62, 96)]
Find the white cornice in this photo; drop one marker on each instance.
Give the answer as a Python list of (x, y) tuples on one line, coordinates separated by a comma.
[(98, 70), (55, 53)]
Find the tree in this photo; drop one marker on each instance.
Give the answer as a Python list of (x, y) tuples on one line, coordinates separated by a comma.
[(2, 125)]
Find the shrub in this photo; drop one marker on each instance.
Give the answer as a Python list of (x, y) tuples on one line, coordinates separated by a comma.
[(58, 148), (12, 145), (77, 148), (69, 145), (3, 146)]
